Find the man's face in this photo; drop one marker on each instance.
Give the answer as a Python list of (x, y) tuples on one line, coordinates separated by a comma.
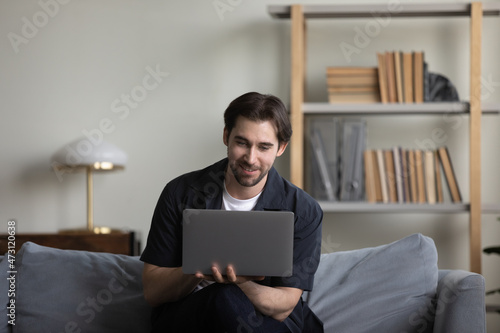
[(252, 148)]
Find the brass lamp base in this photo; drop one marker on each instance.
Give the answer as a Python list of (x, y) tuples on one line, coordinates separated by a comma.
[(90, 229)]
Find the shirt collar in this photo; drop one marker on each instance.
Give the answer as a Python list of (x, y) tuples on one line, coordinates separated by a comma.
[(211, 186), (273, 196)]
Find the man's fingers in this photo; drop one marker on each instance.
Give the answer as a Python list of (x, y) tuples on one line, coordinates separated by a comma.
[(231, 275), (217, 275)]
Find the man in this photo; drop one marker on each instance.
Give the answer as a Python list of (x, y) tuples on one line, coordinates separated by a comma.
[(257, 130)]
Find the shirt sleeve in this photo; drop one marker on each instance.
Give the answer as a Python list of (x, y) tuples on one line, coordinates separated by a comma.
[(306, 250), (164, 244)]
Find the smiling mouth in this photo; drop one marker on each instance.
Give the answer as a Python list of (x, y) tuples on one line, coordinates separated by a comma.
[(248, 170)]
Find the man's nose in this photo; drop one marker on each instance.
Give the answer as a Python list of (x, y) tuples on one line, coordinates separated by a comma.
[(251, 155)]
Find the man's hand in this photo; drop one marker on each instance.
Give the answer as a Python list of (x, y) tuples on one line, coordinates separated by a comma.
[(276, 302), (166, 284), (230, 276)]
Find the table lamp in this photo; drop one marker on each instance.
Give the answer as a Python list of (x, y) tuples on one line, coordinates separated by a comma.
[(91, 156)]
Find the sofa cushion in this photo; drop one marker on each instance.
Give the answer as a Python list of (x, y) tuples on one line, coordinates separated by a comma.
[(78, 291), (388, 288)]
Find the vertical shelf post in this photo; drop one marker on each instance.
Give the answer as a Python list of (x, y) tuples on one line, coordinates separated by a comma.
[(298, 56), (475, 137)]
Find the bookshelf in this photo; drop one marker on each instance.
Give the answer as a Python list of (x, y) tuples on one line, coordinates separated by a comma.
[(299, 108)]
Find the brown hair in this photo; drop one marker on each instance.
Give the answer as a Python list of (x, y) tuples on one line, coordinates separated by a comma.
[(258, 107)]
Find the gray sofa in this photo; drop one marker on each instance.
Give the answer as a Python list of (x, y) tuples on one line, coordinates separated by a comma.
[(390, 288)]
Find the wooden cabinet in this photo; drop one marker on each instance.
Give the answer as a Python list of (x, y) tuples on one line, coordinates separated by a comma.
[(300, 108), (116, 242)]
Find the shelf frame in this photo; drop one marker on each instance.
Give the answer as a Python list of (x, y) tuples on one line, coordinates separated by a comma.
[(365, 207), (475, 11), (396, 108), (298, 62), (394, 10), (476, 22)]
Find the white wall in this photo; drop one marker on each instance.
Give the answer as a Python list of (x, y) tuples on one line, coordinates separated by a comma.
[(63, 65)]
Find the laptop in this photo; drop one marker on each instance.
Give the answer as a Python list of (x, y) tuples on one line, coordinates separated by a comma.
[(255, 243)]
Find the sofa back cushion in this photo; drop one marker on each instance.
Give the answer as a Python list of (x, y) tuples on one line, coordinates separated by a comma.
[(78, 291), (389, 288)]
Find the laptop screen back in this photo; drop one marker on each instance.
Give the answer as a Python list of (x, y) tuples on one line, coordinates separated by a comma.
[(255, 243)]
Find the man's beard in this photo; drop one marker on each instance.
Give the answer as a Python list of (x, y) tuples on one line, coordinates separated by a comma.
[(243, 180)]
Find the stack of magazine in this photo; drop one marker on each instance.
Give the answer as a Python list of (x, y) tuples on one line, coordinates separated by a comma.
[(336, 147)]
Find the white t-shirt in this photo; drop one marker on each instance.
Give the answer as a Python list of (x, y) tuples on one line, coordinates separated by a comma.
[(230, 203)]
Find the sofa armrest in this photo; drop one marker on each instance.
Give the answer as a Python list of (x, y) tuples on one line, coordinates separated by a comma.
[(460, 302)]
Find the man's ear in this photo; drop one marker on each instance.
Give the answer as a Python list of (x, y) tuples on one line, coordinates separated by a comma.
[(282, 148), (225, 136)]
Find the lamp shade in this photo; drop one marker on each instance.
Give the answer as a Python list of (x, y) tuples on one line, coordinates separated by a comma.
[(100, 155)]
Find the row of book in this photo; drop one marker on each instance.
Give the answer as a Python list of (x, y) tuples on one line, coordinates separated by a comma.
[(353, 84), (401, 77), (342, 169), (409, 175)]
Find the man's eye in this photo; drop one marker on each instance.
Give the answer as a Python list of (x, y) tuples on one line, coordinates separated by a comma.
[(265, 148), (241, 143)]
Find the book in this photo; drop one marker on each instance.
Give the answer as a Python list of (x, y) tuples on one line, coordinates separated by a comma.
[(398, 72), (382, 78), (328, 128), (353, 81), (439, 185), (449, 174), (412, 172), (370, 176), (430, 176), (361, 98), (398, 174), (376, 172), (320, 157), (418, 77), (391, 77), (383, 178), (390, 174), (405, 174), (339, 89), (408, 76), (427, 83), (420, 176), (353, 146), (348, 71)]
